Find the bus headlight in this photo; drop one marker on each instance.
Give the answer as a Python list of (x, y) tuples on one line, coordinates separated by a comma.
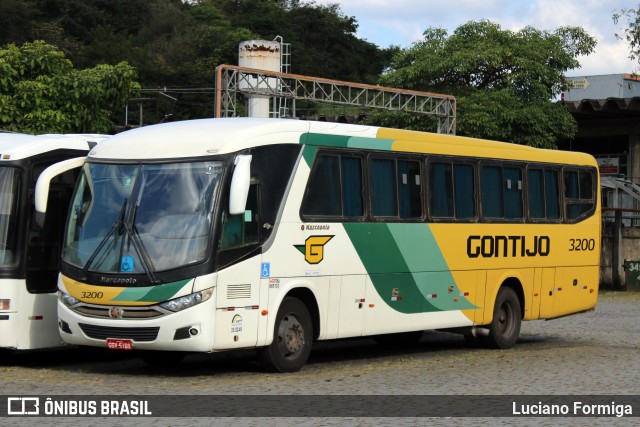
[(67, 299), (187, 301)]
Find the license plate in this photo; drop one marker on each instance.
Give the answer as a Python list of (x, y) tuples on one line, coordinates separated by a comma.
[(117, 344)]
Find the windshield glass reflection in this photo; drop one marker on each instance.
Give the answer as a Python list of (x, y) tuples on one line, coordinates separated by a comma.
[(141, 218), (9, 191)]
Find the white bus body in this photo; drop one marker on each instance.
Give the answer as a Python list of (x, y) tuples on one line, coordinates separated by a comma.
[(220, 234), (29, 253)]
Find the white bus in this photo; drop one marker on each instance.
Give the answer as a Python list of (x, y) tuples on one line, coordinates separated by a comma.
[(219, 234), (30, 244)]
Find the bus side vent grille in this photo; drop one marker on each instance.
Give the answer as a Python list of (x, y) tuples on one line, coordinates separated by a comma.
[(239, 291)]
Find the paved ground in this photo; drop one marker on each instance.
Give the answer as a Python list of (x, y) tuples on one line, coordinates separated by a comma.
[(590, 353)]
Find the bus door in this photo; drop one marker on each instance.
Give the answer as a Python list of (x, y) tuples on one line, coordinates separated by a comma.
[(37, 311), (44, 243), (239, 285), (352, 305)]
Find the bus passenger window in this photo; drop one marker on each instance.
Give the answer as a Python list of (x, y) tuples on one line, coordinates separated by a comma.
[(552, 193), (334, 187), (465, 191), (440, 190), (383, 188), (352, 203), (491, 181), (578, 193), (542, 194), (323, 190), (512, 193), (535, 194), (452, 190), (409, 189), (501, 192)]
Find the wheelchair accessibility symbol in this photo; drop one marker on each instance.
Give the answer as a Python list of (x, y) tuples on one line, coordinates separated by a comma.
[(126, 265), (265, 270)]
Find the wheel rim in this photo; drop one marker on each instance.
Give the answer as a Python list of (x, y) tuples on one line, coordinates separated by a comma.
[(505, 319), (291, 336)]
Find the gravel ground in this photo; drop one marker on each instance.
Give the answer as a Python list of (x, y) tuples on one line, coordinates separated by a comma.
[(592, 353)]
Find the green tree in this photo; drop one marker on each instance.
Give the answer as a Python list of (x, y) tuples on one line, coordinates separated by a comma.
[(504, 81), (323, 39), (178, 43), (41, 91), (631, 33), (17, 18), (324, 44)]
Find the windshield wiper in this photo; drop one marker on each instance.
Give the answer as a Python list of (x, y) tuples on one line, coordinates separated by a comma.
[(138, 246), (116, 229)]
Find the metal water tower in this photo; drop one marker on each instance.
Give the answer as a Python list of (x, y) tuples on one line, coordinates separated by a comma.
[(262, 55)]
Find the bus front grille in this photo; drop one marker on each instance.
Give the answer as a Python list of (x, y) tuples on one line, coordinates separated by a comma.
[(129, 313), (104, 332)]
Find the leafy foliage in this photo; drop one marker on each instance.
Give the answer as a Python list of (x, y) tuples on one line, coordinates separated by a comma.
[(41, 91), (631, 33), (504, 81), (178, 44)]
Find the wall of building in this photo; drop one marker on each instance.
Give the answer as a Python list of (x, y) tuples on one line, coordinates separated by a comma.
[(630, 251), (602, 87)]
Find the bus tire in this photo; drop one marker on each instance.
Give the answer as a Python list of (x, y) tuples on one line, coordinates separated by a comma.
[(162, 359), (505, 326), (292, 337)]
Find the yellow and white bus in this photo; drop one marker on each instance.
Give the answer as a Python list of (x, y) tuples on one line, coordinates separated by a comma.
[(218, 234), (34, 169)]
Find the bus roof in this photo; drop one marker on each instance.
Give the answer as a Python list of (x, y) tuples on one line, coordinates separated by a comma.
[(205, 137), (16, 146)]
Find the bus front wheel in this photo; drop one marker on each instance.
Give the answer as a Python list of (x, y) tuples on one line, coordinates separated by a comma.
[(292, 337), (505, 327)]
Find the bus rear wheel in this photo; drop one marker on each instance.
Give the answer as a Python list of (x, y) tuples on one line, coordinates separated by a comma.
[(292, 337), (505, 327)]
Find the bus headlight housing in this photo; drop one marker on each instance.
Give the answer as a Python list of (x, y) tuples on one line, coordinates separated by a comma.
[(67, 299), (187, 301)]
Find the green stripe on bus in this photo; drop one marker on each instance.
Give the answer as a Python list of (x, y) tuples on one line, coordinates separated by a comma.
[(405, 270), (152, 293), (424, 255), (346, 141), (370, 143), (309, 154)]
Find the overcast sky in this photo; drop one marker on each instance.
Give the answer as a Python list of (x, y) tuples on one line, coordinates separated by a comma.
[(402, 22)]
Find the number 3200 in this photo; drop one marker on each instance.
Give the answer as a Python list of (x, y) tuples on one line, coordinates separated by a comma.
[(582, 244)]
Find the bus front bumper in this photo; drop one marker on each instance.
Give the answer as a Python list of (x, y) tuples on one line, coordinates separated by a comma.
[(188, 330)]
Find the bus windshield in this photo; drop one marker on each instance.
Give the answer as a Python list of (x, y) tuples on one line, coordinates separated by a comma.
[(9, 191), (132, 219)]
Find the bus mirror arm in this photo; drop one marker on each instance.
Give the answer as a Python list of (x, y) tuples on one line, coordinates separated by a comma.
[(240, 182), (43, 184)]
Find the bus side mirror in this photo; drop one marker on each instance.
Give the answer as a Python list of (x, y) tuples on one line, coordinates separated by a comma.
[(43, 184), (240, 181)]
